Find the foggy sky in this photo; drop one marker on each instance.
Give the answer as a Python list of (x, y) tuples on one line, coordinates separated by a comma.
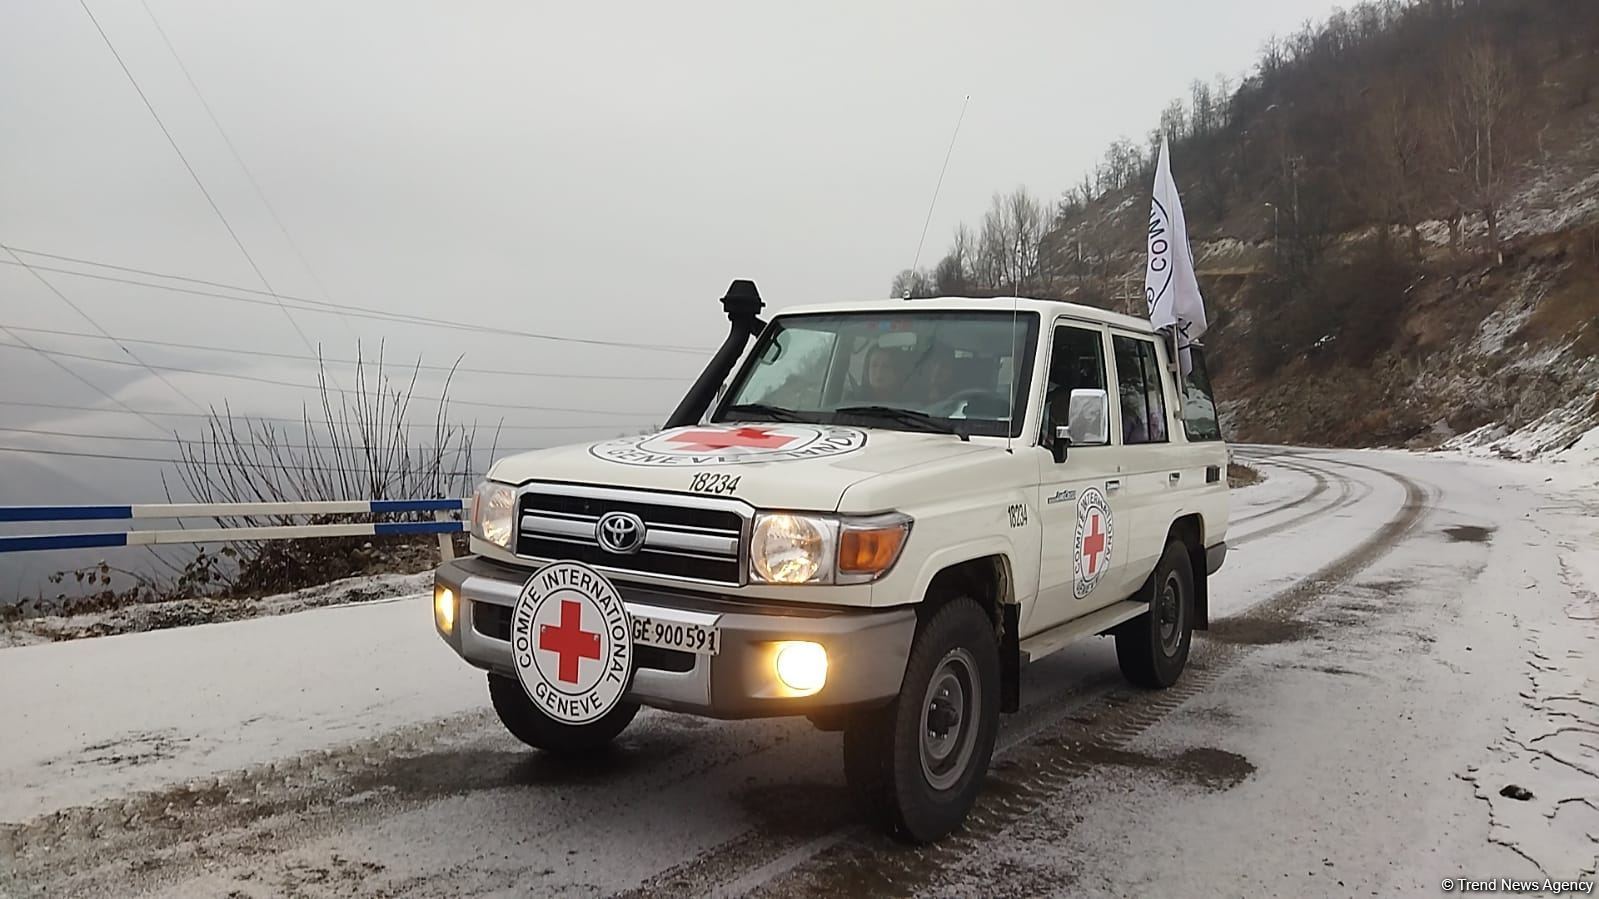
[(595, 170)]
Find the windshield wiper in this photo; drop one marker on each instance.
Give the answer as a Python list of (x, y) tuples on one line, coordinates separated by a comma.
[(769, 411), (910, 417)]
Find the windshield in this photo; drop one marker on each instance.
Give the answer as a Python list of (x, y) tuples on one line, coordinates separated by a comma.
[(953, 367)]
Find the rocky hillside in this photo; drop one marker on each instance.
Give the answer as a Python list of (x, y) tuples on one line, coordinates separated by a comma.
[(1396, 222)]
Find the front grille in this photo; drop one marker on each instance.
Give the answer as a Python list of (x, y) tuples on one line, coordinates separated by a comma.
[(494, 621), (681, 541)]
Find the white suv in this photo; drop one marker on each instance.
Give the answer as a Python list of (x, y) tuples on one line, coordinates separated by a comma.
[(889, 508)]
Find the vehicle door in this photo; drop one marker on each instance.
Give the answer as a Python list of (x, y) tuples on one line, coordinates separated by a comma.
[(1078, 512), (1150, 458)]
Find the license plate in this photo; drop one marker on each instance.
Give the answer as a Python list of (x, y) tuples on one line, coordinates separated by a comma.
[(701, 639)]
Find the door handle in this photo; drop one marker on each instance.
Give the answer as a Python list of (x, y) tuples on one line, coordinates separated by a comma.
[(1175, 476), (1113, 486)]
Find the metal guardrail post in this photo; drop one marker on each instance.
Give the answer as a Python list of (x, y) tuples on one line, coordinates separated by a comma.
[(446, 541)]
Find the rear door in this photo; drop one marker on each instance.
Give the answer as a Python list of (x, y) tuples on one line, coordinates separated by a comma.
[(1151, 458), (1080, 514), (1204, 475)]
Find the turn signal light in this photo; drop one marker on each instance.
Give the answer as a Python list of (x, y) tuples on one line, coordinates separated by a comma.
[(869, 551)]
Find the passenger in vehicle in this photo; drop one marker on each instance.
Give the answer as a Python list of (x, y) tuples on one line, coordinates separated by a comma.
[(1135, 429), (939, 383)]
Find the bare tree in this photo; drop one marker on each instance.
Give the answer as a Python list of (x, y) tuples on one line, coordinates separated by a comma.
[(993, 244), (1026, 221), (1174, 121), (1202, 119), (359, 446), (1480, 130), (913, 284), (1392, 178), (952, 275)]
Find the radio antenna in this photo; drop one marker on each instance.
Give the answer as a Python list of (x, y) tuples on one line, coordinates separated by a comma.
[(930, 206)]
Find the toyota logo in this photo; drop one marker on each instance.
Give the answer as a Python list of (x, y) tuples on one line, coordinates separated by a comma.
[(621, 533)]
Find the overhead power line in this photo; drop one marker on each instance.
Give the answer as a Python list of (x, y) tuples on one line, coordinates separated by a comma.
[(298, 386), (256, 185), (80, 378), (600, 426), (305, 304), (300, 357), (90, 319), (193, 174)]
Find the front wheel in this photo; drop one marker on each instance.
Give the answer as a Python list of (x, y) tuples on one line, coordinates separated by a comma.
[(529, 724), (917, 764), (1152, 649)]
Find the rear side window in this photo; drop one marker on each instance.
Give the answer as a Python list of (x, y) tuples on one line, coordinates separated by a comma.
[(1143, 402), (1199, 404)]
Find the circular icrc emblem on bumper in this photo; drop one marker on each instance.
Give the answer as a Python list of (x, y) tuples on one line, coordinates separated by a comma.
[(571, 642), (731, 444)]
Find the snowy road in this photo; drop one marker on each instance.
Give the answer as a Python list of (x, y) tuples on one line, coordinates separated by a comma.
[(1398, 639)]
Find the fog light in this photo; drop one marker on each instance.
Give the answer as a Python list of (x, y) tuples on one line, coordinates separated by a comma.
[(802, 667), (444, 609)]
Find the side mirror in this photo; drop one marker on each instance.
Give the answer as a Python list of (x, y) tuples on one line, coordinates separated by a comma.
[(1088, 417), (1061, 443)]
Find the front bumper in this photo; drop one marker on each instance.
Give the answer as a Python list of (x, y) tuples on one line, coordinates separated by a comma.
[(866, 650)]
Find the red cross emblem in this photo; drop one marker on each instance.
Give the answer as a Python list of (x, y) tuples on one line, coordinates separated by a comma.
[(1093, 543), (760, 438), (569, 641)]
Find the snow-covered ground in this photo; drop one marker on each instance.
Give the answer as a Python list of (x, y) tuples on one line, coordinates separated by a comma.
[(184, 612), (1399, 640)]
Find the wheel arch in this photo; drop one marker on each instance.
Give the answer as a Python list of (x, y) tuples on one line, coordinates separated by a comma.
[(989, 579), (1190, 531)]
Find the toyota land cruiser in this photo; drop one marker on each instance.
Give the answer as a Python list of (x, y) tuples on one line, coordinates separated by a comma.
[(873, 518)]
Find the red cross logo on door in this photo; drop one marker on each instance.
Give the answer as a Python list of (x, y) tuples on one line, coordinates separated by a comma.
[(1094, 543), (569, 641), (757, 438)]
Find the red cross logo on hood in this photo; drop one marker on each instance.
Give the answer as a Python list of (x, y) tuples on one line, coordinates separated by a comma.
[(758, 438)]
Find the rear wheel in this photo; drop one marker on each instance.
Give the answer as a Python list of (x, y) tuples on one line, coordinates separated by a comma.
[(1152, 649), (917, 764), (527, 723)]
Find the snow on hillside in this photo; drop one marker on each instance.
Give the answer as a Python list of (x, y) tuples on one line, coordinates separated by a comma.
[(1567, 435)]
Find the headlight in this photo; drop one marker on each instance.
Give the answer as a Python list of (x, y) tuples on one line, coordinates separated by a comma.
[(494, 513), (791, 549), (786, 548)]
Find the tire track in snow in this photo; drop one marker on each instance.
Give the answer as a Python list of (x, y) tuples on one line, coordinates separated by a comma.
[(1318, 487), (1347, 496)]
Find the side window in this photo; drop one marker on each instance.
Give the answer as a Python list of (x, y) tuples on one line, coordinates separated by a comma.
[(1154, 393), (1075, 396), (1199, 404), (1143, 403)]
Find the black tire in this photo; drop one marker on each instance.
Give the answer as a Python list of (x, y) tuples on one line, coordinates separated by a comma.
[(919, 790), (1152, 649), (530, 725)]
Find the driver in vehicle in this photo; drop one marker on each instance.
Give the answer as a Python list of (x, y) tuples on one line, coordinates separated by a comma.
[(884, 382)]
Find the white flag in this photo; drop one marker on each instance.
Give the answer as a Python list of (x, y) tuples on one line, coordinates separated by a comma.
[(1170, 287)]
